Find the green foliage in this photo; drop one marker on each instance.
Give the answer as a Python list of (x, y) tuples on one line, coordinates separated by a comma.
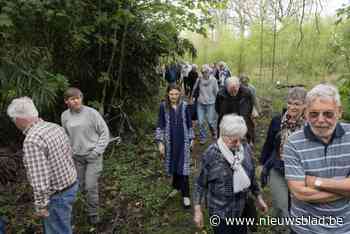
[(110, 49), (322, 53), (344, 89), (41, 85)]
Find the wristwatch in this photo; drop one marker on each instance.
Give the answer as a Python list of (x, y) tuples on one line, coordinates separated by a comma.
[(318, 182)]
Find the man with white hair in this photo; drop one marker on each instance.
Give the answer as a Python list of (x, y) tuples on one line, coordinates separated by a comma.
[(49, 166), (236, 99), (317, 166)]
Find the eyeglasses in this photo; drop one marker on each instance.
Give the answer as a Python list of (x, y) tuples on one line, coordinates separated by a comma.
[(326, 114), (295, 103)]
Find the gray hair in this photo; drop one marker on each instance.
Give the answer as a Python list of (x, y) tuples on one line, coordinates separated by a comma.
[(297, 93), (233, 125), (206, 68), (22, 107), (323, 91), (234, 80), (222, 63)]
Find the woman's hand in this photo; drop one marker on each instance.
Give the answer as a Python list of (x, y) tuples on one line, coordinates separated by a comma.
[(161, 149), (261, 204), (198, 217)]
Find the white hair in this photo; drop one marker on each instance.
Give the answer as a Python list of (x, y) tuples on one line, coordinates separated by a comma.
[(222, 63), (22, 107), (233, 80), (233, 125), (324, 92), (206, 68)]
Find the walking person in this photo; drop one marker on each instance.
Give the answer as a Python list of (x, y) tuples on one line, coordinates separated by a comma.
[(49, 166), (206, 88), (224, 74), (174, 135), (89, 137), (192, 79), (281, 127), (236, 99), (226, 177)]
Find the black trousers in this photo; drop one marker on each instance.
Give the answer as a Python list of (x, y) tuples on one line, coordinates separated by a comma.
[(230, 229), (181, 183)]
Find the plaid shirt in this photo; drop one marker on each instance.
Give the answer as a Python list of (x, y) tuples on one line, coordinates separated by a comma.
[(215, 182), (48, 161)]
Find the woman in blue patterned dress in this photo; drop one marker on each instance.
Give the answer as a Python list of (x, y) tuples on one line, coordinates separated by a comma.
[(174, 135)]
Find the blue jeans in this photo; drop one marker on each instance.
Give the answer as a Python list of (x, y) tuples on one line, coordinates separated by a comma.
[(60, 212), (206, 111), (2, 226)]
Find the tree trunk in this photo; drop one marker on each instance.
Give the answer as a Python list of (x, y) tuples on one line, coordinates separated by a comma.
[(274, 48), (119, 83)]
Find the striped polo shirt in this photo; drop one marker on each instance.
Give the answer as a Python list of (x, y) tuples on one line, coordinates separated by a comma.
[(305, 154)]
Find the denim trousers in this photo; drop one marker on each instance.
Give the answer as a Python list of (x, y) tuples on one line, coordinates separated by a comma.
[(206, 112), (89, 170), (2, 225), (60, 212)]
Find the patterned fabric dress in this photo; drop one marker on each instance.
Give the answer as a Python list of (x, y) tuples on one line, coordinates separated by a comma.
[(175, 131)]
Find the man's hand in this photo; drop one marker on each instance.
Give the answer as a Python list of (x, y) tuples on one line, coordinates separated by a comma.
[(42, 213), (310, 181)]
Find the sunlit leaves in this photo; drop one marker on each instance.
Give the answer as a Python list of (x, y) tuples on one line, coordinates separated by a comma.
[(5, 21)]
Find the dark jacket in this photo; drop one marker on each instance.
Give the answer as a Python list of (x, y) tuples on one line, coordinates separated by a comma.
[(269, 155), (216, 185), (241, 104)]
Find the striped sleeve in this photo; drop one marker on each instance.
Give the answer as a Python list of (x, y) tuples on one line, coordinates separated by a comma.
[(292, 163)]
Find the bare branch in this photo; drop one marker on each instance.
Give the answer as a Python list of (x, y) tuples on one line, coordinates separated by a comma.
[(301, 25)]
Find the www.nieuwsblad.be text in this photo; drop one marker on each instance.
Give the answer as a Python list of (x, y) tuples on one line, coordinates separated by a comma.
[(215, 221)]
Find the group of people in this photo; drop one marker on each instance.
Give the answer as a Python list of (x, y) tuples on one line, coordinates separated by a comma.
[(228, 110), (61, 160), (305, 158)]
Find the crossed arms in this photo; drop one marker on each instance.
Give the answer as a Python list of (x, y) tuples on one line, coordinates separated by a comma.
[(326, 190)]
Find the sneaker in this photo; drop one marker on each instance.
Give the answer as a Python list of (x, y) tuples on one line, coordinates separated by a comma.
[(173, 193), (187, 202), (94, 219)]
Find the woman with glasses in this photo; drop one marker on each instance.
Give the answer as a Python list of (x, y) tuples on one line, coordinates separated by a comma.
[(280, 128), (226, 177)]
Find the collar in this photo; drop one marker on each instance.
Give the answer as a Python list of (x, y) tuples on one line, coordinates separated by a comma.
[(78, 111), (25, 131), (338, 132)]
